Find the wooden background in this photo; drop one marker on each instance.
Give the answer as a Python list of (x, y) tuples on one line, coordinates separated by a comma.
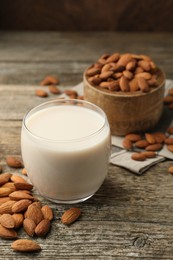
[(71, 15)]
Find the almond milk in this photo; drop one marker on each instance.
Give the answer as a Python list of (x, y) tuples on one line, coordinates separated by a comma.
[(66, 148)]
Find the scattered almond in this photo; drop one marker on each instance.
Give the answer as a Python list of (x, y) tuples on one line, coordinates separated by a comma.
[(29, 226), (42, 228), (47, 212), (41, 93), (133, 137), (18, 220), (138, 157), (127, 144), (25, 245), (49, 80), (170, 169), (7, 233), (149, 154), (153, 147), (70, 215), (24, 172), (141, 143), (34, 212), (21, 205), (150, 138), (54, 90), (14, 162)]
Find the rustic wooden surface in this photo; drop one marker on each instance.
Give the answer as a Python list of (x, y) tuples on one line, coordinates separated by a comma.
[(130, 217)]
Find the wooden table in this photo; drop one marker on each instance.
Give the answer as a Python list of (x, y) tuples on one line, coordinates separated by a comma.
[(130, 217)]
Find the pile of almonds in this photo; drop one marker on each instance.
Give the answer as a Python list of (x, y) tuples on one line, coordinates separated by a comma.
[(51, 82), (123, 72), (168, 100), (18, 207), (150, 143)]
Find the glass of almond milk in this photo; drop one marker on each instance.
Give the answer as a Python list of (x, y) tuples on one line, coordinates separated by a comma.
[(65, 148)]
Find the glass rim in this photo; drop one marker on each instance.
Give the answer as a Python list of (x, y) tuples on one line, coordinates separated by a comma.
[(66, 100)]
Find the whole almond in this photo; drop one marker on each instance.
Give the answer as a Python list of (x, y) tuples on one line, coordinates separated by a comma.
[(19, 194), (138, 157), (18, 219), (106, 67), (9, 185), (113, 58), (153, 81), (94, 80), (143, 85), (145, 65), (170, 169), (34, 212), (16, 178), (24, 172), (21, 205), (124, 59), (170, 147), (25, 245), (70, 215), (6, 207), (128, 74), (4, 178), (106, 74), (145, 75), (169, 140), (41, 93), (127, 144), (150, 138), (7, 233), (141, 144), (42, 228), (104, 84), (3, 200), (133, 137), (29, 226), (149, 154), (170, 130), (117, 75), (54, 90), (49, 80), (131, 65), (138, 70), (23, 186), (7, 221), (70, 92), (92, 71), (124, 84), (14, 162), (159, 137), (153, 147), (134, 85), (4, 192), (47, 212)]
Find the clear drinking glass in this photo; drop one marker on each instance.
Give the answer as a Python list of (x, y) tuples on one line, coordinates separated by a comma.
[(71, 166)]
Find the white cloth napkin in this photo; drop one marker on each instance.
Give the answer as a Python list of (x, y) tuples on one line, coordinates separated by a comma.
[(121, 157)]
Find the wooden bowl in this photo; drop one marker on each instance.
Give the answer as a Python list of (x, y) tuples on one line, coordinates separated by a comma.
[(128, 112)]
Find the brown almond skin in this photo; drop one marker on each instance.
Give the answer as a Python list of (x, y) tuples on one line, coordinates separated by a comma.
[(9, 185), (124, 59), (47, 212), (133, 84), (150, 138), (128, 74), (14, 162), (29, 226), (138, 157), (4, 178), (6, 207), (21, 206), (170, 147), (3, 200), (4, 192), (49, 80), (19, 194), (145, 65), (18, 219), (124, 84), (141, 144), (25, 245), (149, 154), (133, 137), (7, 221), (159, 137), (7, 233), (106, 74), (16, 178), (42, 228), (113, 58), (127, 144), (23, 186), (54, 90), (145, 75), (92, 71), (153, 147), (170, 169), (70, 215), (41, 93), (131, 65), (34, 212), (143, 85)]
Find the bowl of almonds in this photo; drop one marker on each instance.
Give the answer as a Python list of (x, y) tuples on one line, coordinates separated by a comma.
[(129, 88)]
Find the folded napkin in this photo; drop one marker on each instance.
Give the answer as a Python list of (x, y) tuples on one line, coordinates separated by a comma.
[(121, 157)]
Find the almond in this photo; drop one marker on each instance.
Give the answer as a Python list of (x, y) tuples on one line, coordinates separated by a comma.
[(124, 84), (106, 67), (150, 138), (16, 178), (143, 85), (3, 200), (170, 147), (23, 186), (54, 90), (24, 172), (134, 85), (18, 220), (70, 215), (170, 169), (159, 137), (128, 74), (117, 75), (113, 58), (25, 245), (92, 71), (6, 207), (29, 226), (138, 70), (41, 93), (127, 144), (133, 137), (47, 212), (1, 169), (42, 228), (34, 212), (4, 178), (19, 194), (170, 130), (131, 65), (4, 192), (9, 185), (21, 205), (141, 144), (94, 80), (7, 221), (14, 162), (169, 140), (153, 81), (106, 74), (7, 233), (70, 92), (149, 154), (138, 157), (145, 65), (153, 147), (49, 80), (124, 59), (114, 86), (145, 75), (104, 84)]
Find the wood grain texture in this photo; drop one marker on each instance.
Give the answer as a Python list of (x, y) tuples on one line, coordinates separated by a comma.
[(75, 15), (130, 217)]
